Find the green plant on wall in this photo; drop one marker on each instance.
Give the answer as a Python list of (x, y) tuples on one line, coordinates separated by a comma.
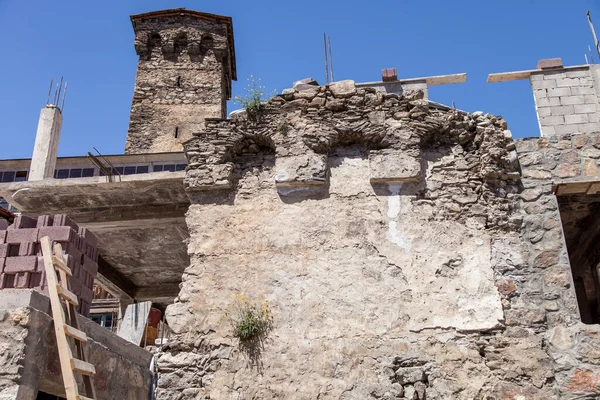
[(248, 319), (255, 98)]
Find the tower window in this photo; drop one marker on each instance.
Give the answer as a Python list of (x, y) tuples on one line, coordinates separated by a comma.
[(178, 81), (176, 132)]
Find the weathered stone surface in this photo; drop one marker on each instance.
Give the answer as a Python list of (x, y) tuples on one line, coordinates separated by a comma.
[(393, 166), (341, 89)]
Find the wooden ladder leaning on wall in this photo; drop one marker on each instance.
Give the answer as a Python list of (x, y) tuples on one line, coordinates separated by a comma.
[(66, 324)]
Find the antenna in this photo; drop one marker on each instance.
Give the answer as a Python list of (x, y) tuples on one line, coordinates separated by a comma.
[(326, 62), (591, 54), (330, 59), (589, 18)]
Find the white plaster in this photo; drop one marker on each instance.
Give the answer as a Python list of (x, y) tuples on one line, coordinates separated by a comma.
[(393, 213)]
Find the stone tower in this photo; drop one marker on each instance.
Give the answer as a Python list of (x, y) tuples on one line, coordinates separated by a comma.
[(185, 69)]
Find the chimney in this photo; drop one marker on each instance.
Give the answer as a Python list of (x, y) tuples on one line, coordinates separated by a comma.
[(45, 150)]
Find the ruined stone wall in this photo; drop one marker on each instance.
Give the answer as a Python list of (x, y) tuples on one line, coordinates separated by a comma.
[(183, 77), (396, 244), (560, 179)]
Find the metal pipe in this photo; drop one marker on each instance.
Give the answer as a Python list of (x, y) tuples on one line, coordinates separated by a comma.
[(330, 59), (589, 18), (49, 91), (62, 106), (326, 62)]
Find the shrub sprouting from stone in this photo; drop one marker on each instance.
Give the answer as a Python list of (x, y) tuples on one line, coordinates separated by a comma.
[(248, 319), (255, 98)]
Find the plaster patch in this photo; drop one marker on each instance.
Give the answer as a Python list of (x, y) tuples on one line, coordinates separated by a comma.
[(393, 212)]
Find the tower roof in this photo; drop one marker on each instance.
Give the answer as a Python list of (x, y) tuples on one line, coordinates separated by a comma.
[(195, 14)]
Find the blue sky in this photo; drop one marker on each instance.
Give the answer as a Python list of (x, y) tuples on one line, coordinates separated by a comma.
[(91, 44)]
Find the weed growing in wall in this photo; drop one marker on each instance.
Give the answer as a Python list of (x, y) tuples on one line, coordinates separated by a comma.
[(255, 98), (249, 319)]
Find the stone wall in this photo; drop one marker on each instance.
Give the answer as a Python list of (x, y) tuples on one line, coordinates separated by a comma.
[(29, 358), (566, 99), (184, 76), (402, 254)]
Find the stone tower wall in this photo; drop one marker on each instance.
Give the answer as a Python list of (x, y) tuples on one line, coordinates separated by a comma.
[(184, 76)]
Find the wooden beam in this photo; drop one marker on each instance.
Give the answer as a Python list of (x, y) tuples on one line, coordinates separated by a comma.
[(510, 76), (446, 79)]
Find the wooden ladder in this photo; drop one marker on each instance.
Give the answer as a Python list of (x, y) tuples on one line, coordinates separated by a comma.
[(66, 324)]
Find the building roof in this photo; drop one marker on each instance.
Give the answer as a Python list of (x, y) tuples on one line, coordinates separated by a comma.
[(195, 14)]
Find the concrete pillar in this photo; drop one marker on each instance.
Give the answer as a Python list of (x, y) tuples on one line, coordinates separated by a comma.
[(45, 150)]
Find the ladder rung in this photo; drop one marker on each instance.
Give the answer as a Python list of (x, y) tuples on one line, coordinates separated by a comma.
[(62, 265), (82, 367), (67, 295), (75, 333)]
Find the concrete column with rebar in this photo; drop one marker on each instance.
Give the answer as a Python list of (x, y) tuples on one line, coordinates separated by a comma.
[(45, 150)]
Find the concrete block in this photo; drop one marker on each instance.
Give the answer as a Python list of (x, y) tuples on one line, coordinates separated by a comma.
[(552, 120), (568, 82), (562, 110), (582, 90), (89, 237), (2, 236), (28, 249), (544, 111), (571, 100), (23, 235), (550, 63), (544, 101), (90, 266), (3, 224), (559, 92), (59, 233), (44, 220), (588, 128), (583, 73), (584, 108), (21, 264), (3, 250), (548, 130), (536, 77), (2, 261), (64, 220), (12, 250), (21, 280), (543, 84), (576, 119), (565, 129), (23, 222), (590, 99)]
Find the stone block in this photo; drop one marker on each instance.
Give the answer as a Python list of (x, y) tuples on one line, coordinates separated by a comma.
[(543, 84), (568, 82), (590, 99), (62, 234), (209, 177), (26, 235), (590, 127), (544, 111), (583, 90), (584, 73), (21, 264), (525, 316), (343, 89), (393, 166), (550, 63), (304, 170), (544, 101), (565, 129), (552, 120)]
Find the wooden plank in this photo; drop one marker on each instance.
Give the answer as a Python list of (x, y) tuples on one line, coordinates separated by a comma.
[(75, 333), (61, 264), (67, 294), (82, 367), (509, 76), (80, 397), (446, 79), (64, 351)]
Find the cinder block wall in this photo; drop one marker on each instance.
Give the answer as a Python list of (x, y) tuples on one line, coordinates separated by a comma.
[(21, 261), (566, 99)]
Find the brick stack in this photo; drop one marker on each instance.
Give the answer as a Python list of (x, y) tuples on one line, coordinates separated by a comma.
[(21, 262)]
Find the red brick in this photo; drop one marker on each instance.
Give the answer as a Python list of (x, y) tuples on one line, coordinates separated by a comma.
[(2, 235), (64, 220), (59, 233), (25, 235), (44, 220), (23, 222), (22, 280), (389, 74), (550, 63), (75, 285), (2, 261), (20, 264), (3, 250), (7, 281), (38, 280)]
